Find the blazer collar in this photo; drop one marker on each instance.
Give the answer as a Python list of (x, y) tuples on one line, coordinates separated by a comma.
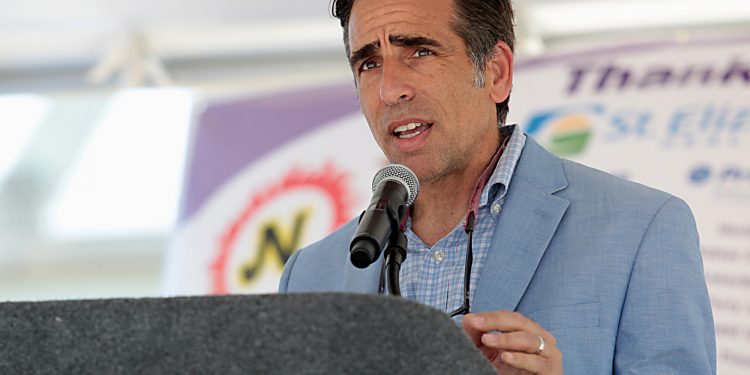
[(530, 216), (539, 168)]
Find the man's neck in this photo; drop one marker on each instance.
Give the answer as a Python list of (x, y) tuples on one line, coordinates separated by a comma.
[(443, 203)]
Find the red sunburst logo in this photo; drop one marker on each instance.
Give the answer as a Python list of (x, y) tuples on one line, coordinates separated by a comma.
[(328, 181)]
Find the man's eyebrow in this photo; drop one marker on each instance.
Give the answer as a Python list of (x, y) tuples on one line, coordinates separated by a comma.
[(398, 40), (412, 41), (364, 52)]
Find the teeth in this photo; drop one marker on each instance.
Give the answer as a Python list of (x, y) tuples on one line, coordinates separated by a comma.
[(410, 135), (407, 127)]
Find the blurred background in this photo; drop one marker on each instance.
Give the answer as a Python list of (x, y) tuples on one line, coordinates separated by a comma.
[(96, 103), (101, 102)]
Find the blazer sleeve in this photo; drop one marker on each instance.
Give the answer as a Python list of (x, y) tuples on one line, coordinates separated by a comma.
[(666, 325), (284, 281)]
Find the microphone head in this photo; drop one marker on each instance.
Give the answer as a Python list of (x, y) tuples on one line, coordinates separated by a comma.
[(401, 174)]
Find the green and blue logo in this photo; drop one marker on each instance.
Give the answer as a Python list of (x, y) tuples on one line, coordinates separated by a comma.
[(565, 131)]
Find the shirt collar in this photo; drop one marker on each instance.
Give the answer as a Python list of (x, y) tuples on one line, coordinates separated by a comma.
[(498, 183)]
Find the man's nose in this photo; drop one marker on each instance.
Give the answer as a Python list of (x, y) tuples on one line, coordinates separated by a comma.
[(395, 85)]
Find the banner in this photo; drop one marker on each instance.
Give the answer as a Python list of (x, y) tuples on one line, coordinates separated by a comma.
[(265, 178), (672, 116)]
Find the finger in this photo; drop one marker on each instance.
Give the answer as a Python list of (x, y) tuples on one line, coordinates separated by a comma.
[(504, 321), (518, 341), (509, 321), (471, 325), (475, 336), (523, 361)]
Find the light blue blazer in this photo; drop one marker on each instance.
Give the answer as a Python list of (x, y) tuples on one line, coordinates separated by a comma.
[(611, 268)]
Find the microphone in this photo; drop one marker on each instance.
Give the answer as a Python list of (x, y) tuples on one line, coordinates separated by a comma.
[(394, 188)]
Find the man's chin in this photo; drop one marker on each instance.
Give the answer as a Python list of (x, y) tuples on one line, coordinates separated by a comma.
[(426, 173), (425, 166)]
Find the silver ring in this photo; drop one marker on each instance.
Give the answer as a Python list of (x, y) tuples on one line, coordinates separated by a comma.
[(540, 349)]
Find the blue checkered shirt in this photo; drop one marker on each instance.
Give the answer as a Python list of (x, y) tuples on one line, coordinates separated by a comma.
[(434, 275)]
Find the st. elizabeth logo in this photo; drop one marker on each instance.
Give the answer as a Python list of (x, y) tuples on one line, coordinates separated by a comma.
[(276, 221), (565, 131)]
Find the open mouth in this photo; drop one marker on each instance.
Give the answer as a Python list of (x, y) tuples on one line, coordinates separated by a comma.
[(411, 130)]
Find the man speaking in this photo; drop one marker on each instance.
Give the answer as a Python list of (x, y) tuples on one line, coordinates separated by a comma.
[(571, 269)]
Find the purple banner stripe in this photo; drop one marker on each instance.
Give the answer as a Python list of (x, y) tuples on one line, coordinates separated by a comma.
[(530, 63), (229, 136)]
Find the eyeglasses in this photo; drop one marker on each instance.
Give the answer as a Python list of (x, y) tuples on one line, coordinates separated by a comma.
[(469, 229), (464, 309)]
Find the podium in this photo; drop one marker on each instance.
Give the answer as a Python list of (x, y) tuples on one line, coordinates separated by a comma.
[(326, 333)]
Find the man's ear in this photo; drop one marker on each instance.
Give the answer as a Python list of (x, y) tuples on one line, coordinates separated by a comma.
[(500, 72)]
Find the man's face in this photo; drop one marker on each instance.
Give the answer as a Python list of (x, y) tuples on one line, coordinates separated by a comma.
[(416, 87)]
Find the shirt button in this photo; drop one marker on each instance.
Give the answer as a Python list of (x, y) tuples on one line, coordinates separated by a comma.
[(496, 208), (438, 256)]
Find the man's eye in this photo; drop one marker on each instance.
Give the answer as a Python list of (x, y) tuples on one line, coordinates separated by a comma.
[(422, 52), (367, 65)]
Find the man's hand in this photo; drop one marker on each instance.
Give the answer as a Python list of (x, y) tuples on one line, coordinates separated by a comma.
[(511, 342)]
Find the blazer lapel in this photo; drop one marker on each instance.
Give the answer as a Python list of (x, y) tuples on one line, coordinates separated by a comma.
[(530, 216)]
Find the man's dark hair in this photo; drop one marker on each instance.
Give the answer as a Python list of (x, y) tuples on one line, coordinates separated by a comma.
[(481, 24)]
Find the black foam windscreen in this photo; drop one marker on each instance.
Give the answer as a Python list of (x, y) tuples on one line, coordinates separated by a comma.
[(274, 334)]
